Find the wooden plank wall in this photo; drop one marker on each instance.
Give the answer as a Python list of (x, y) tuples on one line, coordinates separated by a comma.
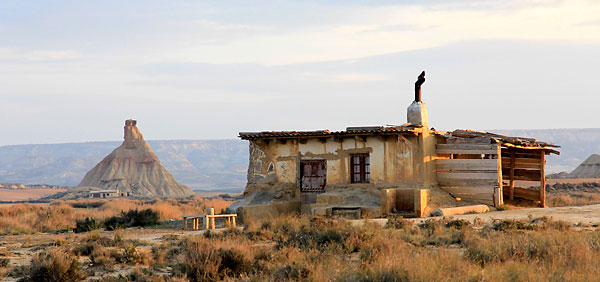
[(524, 165), (472, 172)]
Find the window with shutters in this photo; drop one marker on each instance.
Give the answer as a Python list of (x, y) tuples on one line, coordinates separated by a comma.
[(360, 171)]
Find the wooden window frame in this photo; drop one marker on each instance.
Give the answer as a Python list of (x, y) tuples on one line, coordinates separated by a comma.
[(360, 172)]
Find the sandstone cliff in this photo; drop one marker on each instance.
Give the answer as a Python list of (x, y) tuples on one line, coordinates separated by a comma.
[(134, 168), (590, 168)]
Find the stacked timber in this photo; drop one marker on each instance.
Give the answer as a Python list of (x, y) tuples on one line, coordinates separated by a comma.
[(470, 171)]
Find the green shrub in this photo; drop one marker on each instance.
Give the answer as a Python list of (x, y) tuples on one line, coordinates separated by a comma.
[(146, 217), (87, 224), (54, 265)]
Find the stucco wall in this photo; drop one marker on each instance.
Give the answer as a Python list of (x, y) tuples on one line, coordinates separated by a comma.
[(396, 161)]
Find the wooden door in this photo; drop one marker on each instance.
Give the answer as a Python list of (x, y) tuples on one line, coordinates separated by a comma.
[(313, 175)]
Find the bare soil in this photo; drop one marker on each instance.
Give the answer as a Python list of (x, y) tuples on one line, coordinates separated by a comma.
[(583, 215), (26, 194)]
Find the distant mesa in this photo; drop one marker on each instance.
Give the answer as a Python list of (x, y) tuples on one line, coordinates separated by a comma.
[(590, 168), (134, 168)]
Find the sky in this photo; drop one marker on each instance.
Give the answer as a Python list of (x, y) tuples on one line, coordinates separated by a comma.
[(73, 71)]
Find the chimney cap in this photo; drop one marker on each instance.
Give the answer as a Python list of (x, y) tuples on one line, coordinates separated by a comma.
[(130, 122)]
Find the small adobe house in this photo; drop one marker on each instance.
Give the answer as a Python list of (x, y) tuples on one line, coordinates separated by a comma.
[(376, 170)]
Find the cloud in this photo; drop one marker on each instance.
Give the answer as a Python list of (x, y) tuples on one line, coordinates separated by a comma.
[(15, 55)]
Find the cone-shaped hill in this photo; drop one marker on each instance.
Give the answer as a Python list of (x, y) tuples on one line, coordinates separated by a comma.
[(134, 168), (590, 168)]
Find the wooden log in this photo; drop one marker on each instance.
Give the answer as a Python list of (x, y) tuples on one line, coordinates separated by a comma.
[(512, 176), (466, 146), (543, 181), (498, 195), (211, 213), (461, 210), (474, 140)]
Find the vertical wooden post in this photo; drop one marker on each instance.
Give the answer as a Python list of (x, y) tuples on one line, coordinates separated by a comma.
[(195, 223), (184, 223), (206, 222), (498, 196), (233, 219), (512, 175), (543, 179), (211, 211), (298, 174)]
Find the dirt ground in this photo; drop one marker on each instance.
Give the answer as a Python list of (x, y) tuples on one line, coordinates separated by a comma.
[(584, 215), (26, 194)]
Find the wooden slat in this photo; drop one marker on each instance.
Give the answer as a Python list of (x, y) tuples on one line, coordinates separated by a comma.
[(523, 160), (535, 155), (528, 194), (543, 181), (511, 176), (466, 146), (524, 174), (466, 164), (474, 140), (470, 190), (520, 165), (466, 149), (466, 182), (468, 175), (525, 178)]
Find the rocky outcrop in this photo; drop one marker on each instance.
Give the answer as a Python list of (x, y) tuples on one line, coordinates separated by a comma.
[(134, 168), (590, 168)]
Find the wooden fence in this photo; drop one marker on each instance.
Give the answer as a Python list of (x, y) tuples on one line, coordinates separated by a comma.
[(524, 165), (208, 220), (471, 171)]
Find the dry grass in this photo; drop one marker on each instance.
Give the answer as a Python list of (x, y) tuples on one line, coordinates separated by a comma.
[(62, 215), (293, 248), (572, 199)]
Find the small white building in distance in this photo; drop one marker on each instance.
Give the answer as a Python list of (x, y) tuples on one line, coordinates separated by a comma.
[(103, 194)]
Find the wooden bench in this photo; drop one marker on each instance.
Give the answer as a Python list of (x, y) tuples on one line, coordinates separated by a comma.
[(209, 220)]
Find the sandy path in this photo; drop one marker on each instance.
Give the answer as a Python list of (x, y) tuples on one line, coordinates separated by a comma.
[(587, 215)]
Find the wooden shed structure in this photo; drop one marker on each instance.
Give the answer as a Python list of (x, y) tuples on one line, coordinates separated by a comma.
[(488, 167)]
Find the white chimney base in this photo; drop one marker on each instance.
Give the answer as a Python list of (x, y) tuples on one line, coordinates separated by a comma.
[(417, 114)]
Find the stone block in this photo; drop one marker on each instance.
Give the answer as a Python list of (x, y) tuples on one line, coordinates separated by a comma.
[(321, 211), (420, 200), (254, 213)]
